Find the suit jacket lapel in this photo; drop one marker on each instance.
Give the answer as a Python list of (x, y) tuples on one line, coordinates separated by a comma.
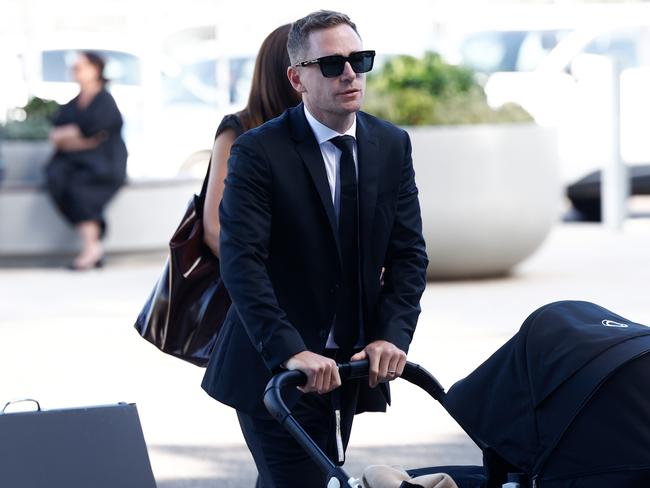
[(368, 156), (307, 147)]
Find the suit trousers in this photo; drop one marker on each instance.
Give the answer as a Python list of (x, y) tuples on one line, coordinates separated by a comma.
[(280, 461)]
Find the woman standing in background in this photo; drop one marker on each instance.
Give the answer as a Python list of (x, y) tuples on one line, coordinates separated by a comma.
[(270, 95), (89, 164)]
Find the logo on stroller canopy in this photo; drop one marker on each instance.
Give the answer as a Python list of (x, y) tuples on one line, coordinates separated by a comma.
[(611, 323)]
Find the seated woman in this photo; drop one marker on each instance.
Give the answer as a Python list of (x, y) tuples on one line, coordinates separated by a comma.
[(89, 164)]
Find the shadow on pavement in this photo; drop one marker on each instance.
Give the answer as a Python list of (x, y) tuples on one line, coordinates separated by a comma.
[(232, 466)]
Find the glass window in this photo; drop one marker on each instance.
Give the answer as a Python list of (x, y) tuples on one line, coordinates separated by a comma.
[(198, 82), (621, 44), (121, 68), (492, 51), (241, 77), (535, 46), (191, 83), (487, 52)]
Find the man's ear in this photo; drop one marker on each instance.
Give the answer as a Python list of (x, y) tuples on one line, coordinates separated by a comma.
[(293, 74)]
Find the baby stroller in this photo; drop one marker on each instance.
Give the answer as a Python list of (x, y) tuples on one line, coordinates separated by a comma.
[(565, 403)]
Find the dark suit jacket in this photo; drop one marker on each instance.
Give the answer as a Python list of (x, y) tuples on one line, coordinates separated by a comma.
[(280, 259)]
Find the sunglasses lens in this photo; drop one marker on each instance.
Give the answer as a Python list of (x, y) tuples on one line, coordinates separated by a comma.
[(362, 62), (332, 66)]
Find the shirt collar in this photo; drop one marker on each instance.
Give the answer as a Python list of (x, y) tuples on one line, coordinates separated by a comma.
[(324, 133)]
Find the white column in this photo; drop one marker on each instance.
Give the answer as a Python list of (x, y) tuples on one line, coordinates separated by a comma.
[(615, 180)]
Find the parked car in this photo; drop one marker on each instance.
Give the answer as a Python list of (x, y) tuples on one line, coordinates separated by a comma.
[(571, 89)]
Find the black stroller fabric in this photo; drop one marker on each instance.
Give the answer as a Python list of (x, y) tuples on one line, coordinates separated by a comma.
[(566, 401)]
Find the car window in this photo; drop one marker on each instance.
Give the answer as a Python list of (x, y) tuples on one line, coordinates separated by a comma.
[(194, 82), (121, 68), (536, 45), (241, 77), (620, 44), (492, 51)]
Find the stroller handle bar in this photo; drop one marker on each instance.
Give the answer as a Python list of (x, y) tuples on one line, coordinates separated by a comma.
[(276, 406), (413, 373)]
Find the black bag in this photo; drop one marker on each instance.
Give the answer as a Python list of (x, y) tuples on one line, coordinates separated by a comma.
[(98, 447), (188, 305), (585, 193)]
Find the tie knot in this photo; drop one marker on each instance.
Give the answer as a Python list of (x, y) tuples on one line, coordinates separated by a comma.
[(344, 143)]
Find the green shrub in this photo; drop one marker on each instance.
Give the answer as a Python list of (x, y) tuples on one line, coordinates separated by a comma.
[(428, 91), (34, 123)]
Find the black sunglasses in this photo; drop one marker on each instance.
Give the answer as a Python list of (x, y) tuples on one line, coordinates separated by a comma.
[(333, 66)]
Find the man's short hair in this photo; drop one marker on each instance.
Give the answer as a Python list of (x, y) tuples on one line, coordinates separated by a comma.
[(298, 40)]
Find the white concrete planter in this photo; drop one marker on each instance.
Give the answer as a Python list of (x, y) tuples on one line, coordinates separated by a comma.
[(142, 217), (24, 161), (489, 195)]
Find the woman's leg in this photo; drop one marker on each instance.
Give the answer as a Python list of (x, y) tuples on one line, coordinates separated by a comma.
[(92, 250)]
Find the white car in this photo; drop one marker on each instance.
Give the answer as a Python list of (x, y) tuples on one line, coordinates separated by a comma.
[(571, 89)]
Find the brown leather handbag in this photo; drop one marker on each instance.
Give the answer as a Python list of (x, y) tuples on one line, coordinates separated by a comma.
[(188, 305)]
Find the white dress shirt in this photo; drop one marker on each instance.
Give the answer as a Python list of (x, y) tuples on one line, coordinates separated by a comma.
[(332, 159), (332, 155)]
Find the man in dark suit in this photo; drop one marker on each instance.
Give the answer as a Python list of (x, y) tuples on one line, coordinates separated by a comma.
[(322, 253)]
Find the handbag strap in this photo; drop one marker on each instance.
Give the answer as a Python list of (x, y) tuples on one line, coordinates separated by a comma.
[(13, 402), (239, 130), (204, 186)]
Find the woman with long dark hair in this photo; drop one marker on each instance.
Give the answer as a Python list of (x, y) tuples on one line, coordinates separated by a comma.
[(89, 164), (270, 95)]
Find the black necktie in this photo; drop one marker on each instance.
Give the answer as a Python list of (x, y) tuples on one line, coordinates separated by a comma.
[(346, 328)]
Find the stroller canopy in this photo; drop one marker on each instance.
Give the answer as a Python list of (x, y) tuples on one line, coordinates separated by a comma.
[(566, 397)]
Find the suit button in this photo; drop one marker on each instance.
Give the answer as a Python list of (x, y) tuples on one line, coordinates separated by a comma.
[(324, 333), (260, 346)]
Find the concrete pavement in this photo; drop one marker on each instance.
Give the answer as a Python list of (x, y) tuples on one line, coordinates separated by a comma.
[(67, 340)]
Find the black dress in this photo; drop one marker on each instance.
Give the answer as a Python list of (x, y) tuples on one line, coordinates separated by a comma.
[(233, 122), (82, 182)]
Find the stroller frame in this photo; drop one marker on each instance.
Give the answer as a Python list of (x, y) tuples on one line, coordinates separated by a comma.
[(336, 476)]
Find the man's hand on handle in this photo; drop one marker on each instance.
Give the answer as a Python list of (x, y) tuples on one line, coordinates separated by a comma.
[(386, 361), (322, 373)]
